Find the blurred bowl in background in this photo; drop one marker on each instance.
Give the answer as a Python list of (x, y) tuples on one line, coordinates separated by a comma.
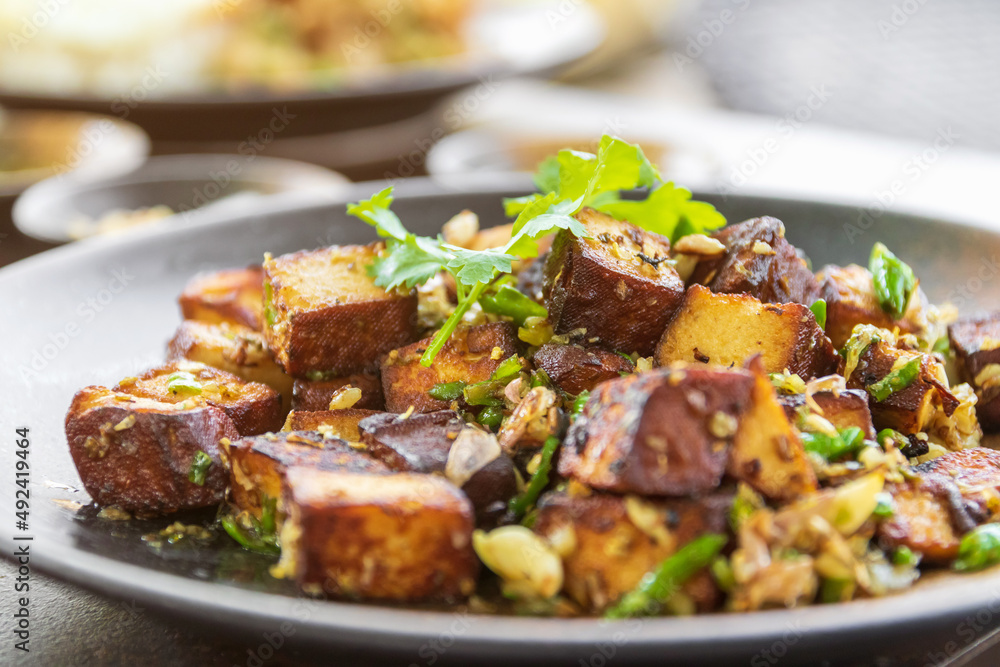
[(173, 187)]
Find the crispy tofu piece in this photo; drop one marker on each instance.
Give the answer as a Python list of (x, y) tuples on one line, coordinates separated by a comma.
[(728, 329), (256, 464), (401, 537), (664, 433), (232, 296), (612, 284), (470, 355), (616, 540), (442, 443), (325, 315), (235, 349), (341, 424), (253, 407), (766, 451), (759, 262), (976, 341), (976, 471), (843, 409), (850, 300), (315, 395), (136, 453), (576, 369), (909, 410)]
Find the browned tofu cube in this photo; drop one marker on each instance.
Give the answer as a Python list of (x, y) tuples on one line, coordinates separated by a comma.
[(137, 454), (850, 300), (728, 329), (615, 284), (976, 471), (341, 424), (235, 349), (253, 407), (758, 261), (665, 433), (921, 519), (470, 355), (315, 395), (976, 341), (233, 296), (843, 409), (576, 369), (441, 442), (909, 410), (617, 540), (257, 464), (324, 315), (401, 537)]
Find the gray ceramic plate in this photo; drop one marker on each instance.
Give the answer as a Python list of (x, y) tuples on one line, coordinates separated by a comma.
[(101, 309)]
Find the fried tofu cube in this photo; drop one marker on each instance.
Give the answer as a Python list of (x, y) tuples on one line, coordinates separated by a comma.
[(253, 407), (729, 329), (849, 293), (616, 540), (315, 395), (325, 315), (664, 433), (470, 355), (976, 341), (759, 262), (766, 450), (137, 454), (921, 519), (232, 296), (401, 537), (844, 409), (908, 410), (615, 284), (233, 348), (341, 424), (576, 369), (256, 465)]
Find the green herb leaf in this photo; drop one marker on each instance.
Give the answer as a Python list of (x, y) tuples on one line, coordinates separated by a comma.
[(668, 210), (547, 177), (979, 548), (893, 279), (519, 505), (818, 309), (183, 382), (199, 468), (897, 380)]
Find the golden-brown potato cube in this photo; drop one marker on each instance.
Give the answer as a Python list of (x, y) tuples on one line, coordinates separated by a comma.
[(576, 369), (137, 454), (728, 329), (767, 452), (666, 432), (325, 315), (232, 348), (253, 407), (234, 296), (850, 300), (616, 284), (470, 355), (341, 424), (843, 409), (758, 261), (314, 395), (911, 409), (616, 540), (403, 536), (976, 341), (256, 464)]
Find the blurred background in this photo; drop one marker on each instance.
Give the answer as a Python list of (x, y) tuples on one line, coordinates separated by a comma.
[(115, 114)]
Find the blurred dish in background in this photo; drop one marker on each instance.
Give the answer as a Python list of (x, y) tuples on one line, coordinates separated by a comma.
[(176, 187)]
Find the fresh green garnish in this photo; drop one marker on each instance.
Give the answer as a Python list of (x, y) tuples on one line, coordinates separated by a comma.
[(268, 511), (818, 309), (539, 378), (903, 555), (942, 346), (491, 416), (848, 441), (251, 540), (580, 402), (893, 279), (884, 506), (861, 339), (520, 504), (183, 381), (447, 391), (508, 368), (897, 380), (199, 468), (512, 303), (480, 393), (979, 549), (722, 572), (896, 437), (658, 585), (746, 502), (836, 590)]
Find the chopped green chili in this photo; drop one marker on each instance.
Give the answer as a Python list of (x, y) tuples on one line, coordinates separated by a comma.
[(512, 303), (893, 279), (447, 391), (979, 549), (183, 381), (848, 441), (521, 503), (818, 309), (897, 380), (199, 468), (491, 416), (580, 402)]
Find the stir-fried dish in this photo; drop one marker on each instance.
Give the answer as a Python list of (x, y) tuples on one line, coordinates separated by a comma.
[(614, 405)]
